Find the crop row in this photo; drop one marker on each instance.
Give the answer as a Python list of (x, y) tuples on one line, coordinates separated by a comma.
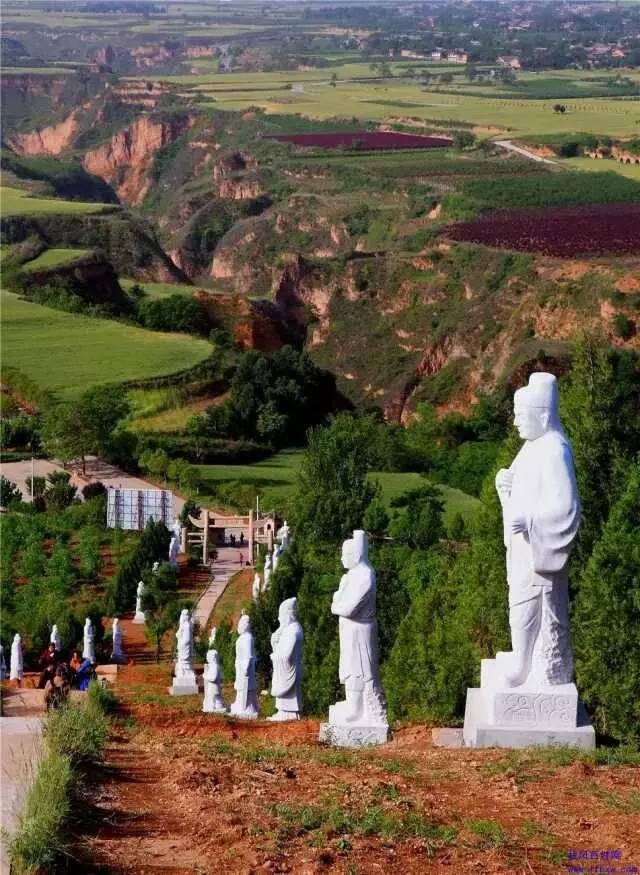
[(563, 232), (367, 140)]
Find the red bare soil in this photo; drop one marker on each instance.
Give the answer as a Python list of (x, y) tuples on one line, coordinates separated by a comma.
[(557, 231), (187, 792), (367, 140)]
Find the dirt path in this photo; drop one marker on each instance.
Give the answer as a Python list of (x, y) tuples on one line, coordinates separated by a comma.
[(225, 566), (511, 147)]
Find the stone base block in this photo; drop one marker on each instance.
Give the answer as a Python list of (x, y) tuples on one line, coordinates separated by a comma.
[(244, 715), (346, 735), (183, 687), (444, 736), (479, 731), (139, 619)]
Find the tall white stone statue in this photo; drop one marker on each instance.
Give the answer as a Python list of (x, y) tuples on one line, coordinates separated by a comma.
[(88, 650), (256, 587), (362, 718), (286, 644), (526, 696), (3, 665), (283, 535), (16, 665), (213, 702), (212, 637), (174, 550), (184, 678), (246, 701), (140, 616), (55, 638), (266, 574), (176, 528), (117, 653)]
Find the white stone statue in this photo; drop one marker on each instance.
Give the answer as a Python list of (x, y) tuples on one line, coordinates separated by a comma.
[(268, 568), (278, 550), (529, 688), (55, 638), (176, 528), (140, 616), (174, 550), (246, 701), (154, 567), (286, 644), (88, 650), (212, 676), (256, 587), (16, 665), (212, 637), (283, 535), (117, 653), (3, 665), (184, 678), (362, 718)]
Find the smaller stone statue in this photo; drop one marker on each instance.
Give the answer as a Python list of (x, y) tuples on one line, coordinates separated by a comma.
[(88, 650), (16, 667), (140, 616), (154, 567), (174, 549), (184, 678), (3, 665), (246, 702), (55, 638), (361, 719), (283, 535), (212, 677), (278, 550), (176, 528), (286, 643), (117, 653), (256, 587), (212, 637), (268, 568)]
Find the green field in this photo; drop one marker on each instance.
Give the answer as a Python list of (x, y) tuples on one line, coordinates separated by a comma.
[(15, 202), (631, 171), (276, 477), (66, 353), (158, 290), (54, 258)]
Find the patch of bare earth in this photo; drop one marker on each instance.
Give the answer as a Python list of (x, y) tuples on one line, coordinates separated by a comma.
[(187, 792)]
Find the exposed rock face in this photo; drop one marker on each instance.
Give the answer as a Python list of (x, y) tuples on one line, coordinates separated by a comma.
[(51, 140), (125, 160), (235, 178), (255, 324), (92, 278)]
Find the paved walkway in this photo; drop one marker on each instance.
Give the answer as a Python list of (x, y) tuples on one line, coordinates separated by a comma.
[(511, 147), (226, 565), (20, 746)]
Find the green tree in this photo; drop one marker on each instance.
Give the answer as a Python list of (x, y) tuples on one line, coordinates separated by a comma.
[(9, 493), (418, 518), (606, 620), (160, 604), (155, 462), (60, 493), (464, 140), (333, 492)]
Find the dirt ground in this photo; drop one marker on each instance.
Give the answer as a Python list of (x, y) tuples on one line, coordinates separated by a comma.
[(185, 792)]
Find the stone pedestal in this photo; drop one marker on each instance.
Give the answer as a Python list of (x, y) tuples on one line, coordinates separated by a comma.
[(341, 733), (184, 685), (531, 715), (139, 618)]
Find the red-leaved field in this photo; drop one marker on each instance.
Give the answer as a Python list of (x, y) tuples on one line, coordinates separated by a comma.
[(559, 231), (373, 141)]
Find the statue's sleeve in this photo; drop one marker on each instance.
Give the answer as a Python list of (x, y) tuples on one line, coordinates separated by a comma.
[(347, 601), (553, 525)]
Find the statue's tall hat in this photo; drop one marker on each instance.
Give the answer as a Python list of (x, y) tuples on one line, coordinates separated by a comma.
[(542, 391), (361, 543)]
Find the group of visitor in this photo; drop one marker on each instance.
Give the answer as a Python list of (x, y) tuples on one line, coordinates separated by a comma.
[(58, 675)]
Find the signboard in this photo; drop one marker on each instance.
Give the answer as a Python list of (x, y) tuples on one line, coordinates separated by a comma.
[(133, 508)]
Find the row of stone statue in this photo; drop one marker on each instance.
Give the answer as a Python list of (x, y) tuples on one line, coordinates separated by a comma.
[(16, 664)]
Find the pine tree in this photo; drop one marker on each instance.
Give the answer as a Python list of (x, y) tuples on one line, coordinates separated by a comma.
[(606, 621)]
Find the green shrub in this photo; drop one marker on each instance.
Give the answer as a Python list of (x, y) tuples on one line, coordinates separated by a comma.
[(78, 732), (39, 841)]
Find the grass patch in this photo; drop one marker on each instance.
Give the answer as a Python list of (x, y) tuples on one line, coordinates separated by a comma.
[(398, 767), (159, 290), (373, 820), (79, 732), (533, 764), (490, 832), (39, 841), (54, 258), (15, 202), (77, 352)]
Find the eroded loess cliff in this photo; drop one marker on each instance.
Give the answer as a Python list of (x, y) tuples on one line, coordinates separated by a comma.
[(51, 140), (125, 160)]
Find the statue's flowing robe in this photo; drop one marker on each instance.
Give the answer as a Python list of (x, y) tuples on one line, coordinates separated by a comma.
[(355, 604), (545, 495), (16, 665), (287, 662), (245, 682)]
